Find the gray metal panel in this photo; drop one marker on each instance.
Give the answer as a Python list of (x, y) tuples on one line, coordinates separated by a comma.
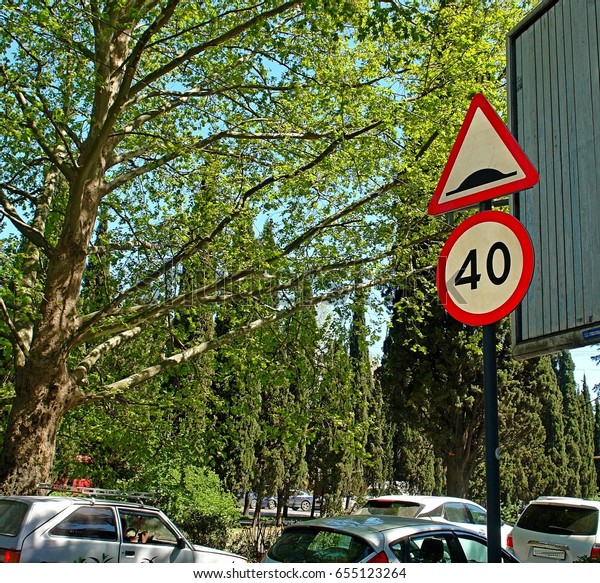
[(554, 113)]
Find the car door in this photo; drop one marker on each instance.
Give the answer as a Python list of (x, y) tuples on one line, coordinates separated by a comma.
[(476, 551), (431, 547), (84, 534), (148, 538), (477, 518), (457, 513)]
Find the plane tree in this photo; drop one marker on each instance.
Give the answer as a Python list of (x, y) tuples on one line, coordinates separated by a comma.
[(153, 138)]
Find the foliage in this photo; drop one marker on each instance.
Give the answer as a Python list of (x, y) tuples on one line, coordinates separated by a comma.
[(525, 471), (195, 499), (431, 376), (253, 542), (145, 145), (166, 133)]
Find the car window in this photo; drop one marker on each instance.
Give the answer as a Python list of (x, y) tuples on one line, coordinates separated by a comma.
[(424, 549), (393, 508), (140, 527), (555, 519), (437, 512), (311, 545), (478, 515), (474, 549), (456, 512), (88, 522), (12, 514)]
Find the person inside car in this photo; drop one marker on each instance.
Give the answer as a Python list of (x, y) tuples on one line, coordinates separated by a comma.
[(133, 536)]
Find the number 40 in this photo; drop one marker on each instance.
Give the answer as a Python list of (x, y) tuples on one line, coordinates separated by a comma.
[(469, 273)]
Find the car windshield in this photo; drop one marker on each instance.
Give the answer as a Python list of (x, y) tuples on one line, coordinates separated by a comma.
[(12, 514), (311, 545), (404, 509), (555, 519)]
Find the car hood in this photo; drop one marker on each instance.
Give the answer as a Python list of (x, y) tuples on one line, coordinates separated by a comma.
[(209, 555)]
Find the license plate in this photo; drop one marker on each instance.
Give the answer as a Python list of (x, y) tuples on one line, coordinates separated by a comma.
[(555, 554)]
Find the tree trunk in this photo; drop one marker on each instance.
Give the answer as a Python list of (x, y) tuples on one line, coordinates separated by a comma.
[(44, 389), (458, 474), (28, 451)]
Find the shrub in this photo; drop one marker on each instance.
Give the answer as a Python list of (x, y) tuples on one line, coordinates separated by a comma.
[(197, 501)]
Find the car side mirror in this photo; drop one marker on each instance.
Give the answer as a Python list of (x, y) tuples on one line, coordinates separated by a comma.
[(181, 543)]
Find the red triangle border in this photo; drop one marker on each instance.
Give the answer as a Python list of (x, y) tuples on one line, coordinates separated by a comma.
[(531, 175)]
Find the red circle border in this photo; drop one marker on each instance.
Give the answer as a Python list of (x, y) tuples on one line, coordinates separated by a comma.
[(482, 319)]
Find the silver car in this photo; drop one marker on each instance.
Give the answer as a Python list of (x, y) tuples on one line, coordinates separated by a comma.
[(555, 529), (301, 500), (378, 539), (56, 529)]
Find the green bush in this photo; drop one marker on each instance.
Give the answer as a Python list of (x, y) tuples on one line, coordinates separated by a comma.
[(203, 508), (196, 500)]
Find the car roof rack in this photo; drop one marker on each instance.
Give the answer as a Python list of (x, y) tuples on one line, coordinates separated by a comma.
[(139, 497)]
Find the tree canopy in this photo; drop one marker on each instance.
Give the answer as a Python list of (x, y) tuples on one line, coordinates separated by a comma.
[(147, 142)]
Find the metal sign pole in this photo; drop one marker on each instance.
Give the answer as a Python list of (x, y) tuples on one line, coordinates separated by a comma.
[(468, 179), (492, 451), (492, 461)]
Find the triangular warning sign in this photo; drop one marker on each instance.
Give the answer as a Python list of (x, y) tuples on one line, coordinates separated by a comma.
[(485, 162)]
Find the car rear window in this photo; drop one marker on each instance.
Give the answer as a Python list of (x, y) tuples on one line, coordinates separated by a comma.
[(555, 519), (12, 513), (393, 508), (311, 545)]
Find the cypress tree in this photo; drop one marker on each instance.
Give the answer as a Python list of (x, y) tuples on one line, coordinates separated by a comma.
[(588, 477), (597, 440), (523, 459), (333, 449), (431, 375), (369, 403), (556, 470), (564, 368)]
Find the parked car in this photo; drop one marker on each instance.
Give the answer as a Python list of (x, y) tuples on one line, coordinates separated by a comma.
[(269, 502), (379, 539), (301, 500), (555, 529), (60, 529), (297, 500), (242, 499), (458, 511)]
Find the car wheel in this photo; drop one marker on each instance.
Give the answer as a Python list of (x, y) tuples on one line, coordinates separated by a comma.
[(271, 504), (305, 505)]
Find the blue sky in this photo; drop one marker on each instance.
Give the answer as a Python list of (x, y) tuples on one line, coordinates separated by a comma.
[(584, 365)]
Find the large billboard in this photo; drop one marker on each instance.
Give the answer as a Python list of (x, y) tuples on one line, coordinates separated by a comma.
[(554, 113)]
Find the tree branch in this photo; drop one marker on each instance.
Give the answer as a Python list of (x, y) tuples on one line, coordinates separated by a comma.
[(194, 246), (213, 293), (198, 49), (32, 125), (30, 233), (118, 387), (13, 330), (84, 367)]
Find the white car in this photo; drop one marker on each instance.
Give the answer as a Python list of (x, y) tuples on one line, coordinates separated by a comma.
[(555, 529), (57, 529), (459, 511)]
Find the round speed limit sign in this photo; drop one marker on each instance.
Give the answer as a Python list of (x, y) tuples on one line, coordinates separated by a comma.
[(485, 268)]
